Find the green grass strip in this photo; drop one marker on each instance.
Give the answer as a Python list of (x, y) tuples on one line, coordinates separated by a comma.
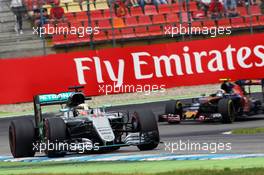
[(128, 167), (249, 131), (3, 113)]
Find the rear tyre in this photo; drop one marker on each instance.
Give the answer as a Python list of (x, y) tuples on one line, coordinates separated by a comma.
[(147, 126), (21, 138), (170, 107), (55, 131), (227, 110), (257, 107), (178, 108), (173, 107)]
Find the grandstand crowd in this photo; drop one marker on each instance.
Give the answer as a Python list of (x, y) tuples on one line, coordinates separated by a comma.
[(126, 19)]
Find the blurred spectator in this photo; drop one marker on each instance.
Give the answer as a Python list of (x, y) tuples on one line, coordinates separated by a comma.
[(134, 3), (230, 8), (204, 6), (56, 12), (240, 3), (150, 2), (120, 8), (158, 2), (116, 3), (145, 2), (40, 16), (111, 3), (171, 1), (261, 6), (128, 3), (19, 10), (248, 2), (49, 1), (216, 9)]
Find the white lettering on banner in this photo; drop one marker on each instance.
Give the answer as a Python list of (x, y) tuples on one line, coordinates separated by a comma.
[(260, 55), (111, 73), (217, 59), (241, 58), (81, 68), (198, 60), (98, 70), (166, 60), (173, 64), (137, 64), (188, 64), (229, 56)]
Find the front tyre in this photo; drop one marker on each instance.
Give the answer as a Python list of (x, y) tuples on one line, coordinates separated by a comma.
[(148, 127), (21, 138), (151, 145)]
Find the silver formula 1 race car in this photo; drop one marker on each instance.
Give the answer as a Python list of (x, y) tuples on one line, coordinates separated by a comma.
[(79, 128)]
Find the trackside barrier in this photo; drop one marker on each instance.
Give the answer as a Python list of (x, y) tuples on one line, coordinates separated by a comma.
[(162, 65)]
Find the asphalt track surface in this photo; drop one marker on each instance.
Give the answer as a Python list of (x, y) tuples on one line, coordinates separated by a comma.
[(176, 138)]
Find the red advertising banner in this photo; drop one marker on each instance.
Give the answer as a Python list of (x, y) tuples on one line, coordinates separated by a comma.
[(120, 70)]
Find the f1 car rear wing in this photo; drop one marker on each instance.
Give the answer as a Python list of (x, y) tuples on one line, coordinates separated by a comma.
[(253, 82), (54, 99), (70, 98), (248, 82)]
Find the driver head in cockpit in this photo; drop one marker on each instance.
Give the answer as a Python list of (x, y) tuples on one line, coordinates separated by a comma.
[(83, 109), (220, 93), (227, 87)]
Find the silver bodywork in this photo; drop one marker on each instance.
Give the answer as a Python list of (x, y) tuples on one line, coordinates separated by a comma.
[(101, 123)]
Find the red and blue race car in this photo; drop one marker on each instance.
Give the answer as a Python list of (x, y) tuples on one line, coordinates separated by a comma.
[(232, 100)]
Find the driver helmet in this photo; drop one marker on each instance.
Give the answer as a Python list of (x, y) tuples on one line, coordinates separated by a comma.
[(220, 93), (83, 106), (227, 87), (83, 109)]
